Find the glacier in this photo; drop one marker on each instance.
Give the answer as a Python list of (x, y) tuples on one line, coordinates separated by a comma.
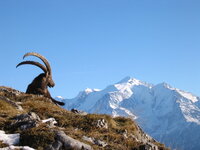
[(170, 115)]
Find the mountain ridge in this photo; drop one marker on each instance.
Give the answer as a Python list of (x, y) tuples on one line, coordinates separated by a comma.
[(159, 109)]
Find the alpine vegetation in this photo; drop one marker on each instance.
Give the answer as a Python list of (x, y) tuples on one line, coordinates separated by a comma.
[(39, 124)]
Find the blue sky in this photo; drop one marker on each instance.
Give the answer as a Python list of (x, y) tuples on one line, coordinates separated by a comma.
[(94, 43)]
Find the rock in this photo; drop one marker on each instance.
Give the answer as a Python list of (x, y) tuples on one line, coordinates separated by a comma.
[(148, 141), (57, 145), (78, 112), (74, 111), (100, 143), (50, 122), (26, 121), (95, 141), (10, 92), (14, 104), (147, 147), (17, 147), (27, 117), (125, 134), (134, 137), (88, 139), (30, 120), (70, 143), (101, 123)]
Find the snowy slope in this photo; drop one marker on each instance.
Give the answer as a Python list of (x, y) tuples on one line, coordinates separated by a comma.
[(170, 115)]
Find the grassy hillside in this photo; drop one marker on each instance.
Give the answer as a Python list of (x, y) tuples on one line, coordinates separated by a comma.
[(121, 133)]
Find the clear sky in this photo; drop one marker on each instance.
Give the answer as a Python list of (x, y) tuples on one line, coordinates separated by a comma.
[(95, 43)]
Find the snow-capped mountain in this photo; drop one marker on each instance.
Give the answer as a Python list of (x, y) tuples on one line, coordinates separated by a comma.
[(170, 115)]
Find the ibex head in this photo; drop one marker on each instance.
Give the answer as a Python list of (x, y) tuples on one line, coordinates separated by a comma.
[(47, 69)]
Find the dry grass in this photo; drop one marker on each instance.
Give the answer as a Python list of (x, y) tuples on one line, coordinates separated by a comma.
[(43, 107), (38, 138), (2, 145), (7, 110), (78, 126), (72, 124)]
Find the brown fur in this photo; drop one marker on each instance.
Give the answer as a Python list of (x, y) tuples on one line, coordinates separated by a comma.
[(41, 83), (39, 87)]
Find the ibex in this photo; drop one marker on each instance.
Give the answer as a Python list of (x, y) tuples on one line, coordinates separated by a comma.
[(41, 83)]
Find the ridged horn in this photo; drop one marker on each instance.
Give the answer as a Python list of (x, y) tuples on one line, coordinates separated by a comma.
[(42, 58), (33, 63)]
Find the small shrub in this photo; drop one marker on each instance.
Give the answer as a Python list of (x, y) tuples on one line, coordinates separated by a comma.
[(37, 137)]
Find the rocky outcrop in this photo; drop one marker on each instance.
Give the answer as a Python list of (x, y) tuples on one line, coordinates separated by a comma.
[(50, 122), (10, 92), (145, 139), (78, 112), (30, 120), (64, 141), (25, 121), (95, 141), (101, 123), (14, 104)]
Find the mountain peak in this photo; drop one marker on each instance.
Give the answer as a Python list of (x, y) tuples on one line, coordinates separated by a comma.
[(130, 81), (88, 90), (165, 85), (133, 81), (126, 79)]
